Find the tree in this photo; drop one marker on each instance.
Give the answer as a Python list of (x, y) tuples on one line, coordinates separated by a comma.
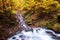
[(8, 16), (8, 8), (41, 12)]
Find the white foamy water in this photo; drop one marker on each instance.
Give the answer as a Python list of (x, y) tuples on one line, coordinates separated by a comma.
[(32, 34)]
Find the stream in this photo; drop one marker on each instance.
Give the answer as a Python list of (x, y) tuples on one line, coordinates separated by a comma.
[(28, 33)]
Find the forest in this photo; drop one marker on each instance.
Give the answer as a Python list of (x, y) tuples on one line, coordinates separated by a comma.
[(36, 13)]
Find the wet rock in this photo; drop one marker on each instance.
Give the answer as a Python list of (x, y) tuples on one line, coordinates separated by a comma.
[(14, 38)]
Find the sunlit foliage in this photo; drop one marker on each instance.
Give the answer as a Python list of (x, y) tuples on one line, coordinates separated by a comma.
[(37, 11), (9, 6), (49, 5)]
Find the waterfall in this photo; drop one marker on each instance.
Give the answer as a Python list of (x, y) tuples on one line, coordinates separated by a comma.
[(32, 33), (22, 22)]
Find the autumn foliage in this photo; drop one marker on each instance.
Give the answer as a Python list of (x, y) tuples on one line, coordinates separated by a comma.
[(41, 12), (8, 23), (36, 13)]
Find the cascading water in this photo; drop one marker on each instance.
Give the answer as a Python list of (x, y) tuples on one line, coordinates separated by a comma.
[(33, 33), (22, 22)]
